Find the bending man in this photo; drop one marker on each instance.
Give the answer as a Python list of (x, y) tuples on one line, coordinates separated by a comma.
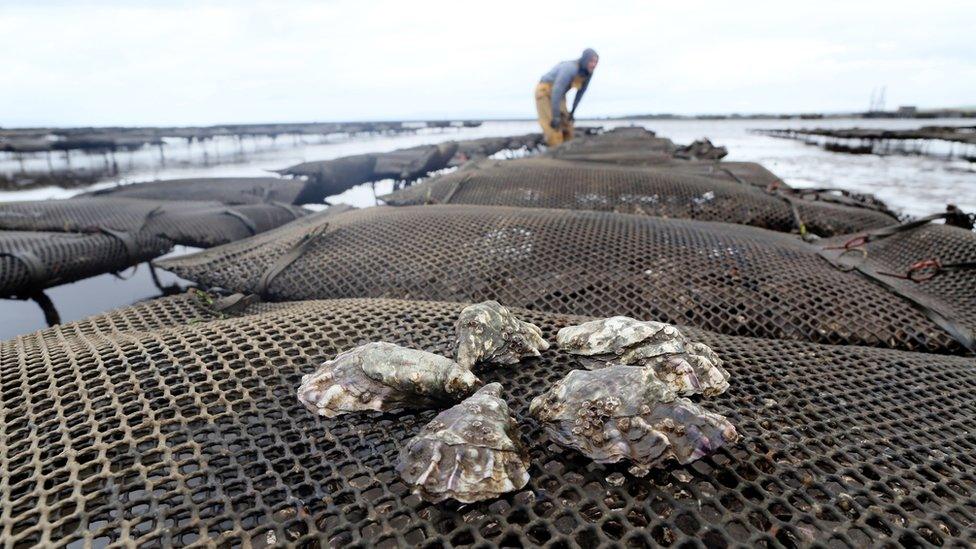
[(550, 95)]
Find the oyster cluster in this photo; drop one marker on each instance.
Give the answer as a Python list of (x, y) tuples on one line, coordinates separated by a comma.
[(469, 452), (626, 407), (687, 367), (626, 413), (383, 376), (487, 333)]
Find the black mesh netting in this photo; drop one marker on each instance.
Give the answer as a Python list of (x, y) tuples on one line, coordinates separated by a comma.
[(472, 149), (742, 172), (635, 146), (227, 190), (200, 224), (731, 279), (949, 245), (331, 177), (122, 430), (31, 261), (548, 183)]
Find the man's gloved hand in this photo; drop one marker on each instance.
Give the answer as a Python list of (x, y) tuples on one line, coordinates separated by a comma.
[(571, 118), (554, 123)]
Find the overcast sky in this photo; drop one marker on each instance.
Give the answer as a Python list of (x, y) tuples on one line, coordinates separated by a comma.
[(200, 62)]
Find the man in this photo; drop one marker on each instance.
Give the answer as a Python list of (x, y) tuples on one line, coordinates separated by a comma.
[(550, 95)]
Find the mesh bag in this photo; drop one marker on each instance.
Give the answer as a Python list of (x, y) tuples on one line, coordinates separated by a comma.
[(548, 183), (119, 430), (32, 261), (473, 149), (635, 146), (331, 177), (742, 172), (415, 162), (920, 263), (226, 190), (213, 226), (200, 224), (731, 279)]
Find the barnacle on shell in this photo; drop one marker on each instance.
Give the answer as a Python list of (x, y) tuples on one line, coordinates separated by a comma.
[(469, 452), (487, 332), (384, 376), (626, 413), (687, 367)]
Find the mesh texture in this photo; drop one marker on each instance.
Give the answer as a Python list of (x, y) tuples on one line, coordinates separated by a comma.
[(200, 224), (748, 172), (119, 430), (731, 279), (226, 190), (547, 183), (636, 147), (632, 146), (67, 257), (949, 245), (330, 177)]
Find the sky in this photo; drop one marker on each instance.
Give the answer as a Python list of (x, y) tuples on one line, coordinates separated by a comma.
[(109, 62)]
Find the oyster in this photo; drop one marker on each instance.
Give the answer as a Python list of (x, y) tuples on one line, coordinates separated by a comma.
[(626, 413), (489, 332), (383, 376), (469, 452), (687, 367)]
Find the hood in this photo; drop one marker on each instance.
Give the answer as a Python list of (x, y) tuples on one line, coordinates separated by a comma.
[(588, 53)]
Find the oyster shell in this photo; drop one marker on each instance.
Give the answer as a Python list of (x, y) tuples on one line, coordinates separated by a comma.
[(626, 413), (489, 332), (687, 367), (469, 452), (384, 376)]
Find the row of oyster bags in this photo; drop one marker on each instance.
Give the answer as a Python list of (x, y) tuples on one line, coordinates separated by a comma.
[(629, 404)]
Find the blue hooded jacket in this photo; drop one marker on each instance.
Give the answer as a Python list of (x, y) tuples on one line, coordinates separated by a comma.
[(561, 77)]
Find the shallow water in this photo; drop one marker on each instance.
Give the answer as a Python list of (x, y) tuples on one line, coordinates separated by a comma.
[(915, 185)]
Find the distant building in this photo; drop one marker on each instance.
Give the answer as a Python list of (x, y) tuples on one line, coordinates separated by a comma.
[(907, 111)]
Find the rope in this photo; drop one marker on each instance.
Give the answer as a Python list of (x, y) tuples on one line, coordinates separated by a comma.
[(852, 256), (927, 269), (235, 303), (884, 232), (37, 271), (295, 214), (127, 240), (457, 186), (289, 257), (247, 221)]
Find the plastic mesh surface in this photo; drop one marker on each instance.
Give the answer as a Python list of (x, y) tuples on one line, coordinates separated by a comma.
[(637, 147), (193, 434), (749, 172), (731, 279), (547, 183), (634, 146), (66, 257), (949, 245), (200, 224), (329, 177), (471, 149), (227, 190)]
